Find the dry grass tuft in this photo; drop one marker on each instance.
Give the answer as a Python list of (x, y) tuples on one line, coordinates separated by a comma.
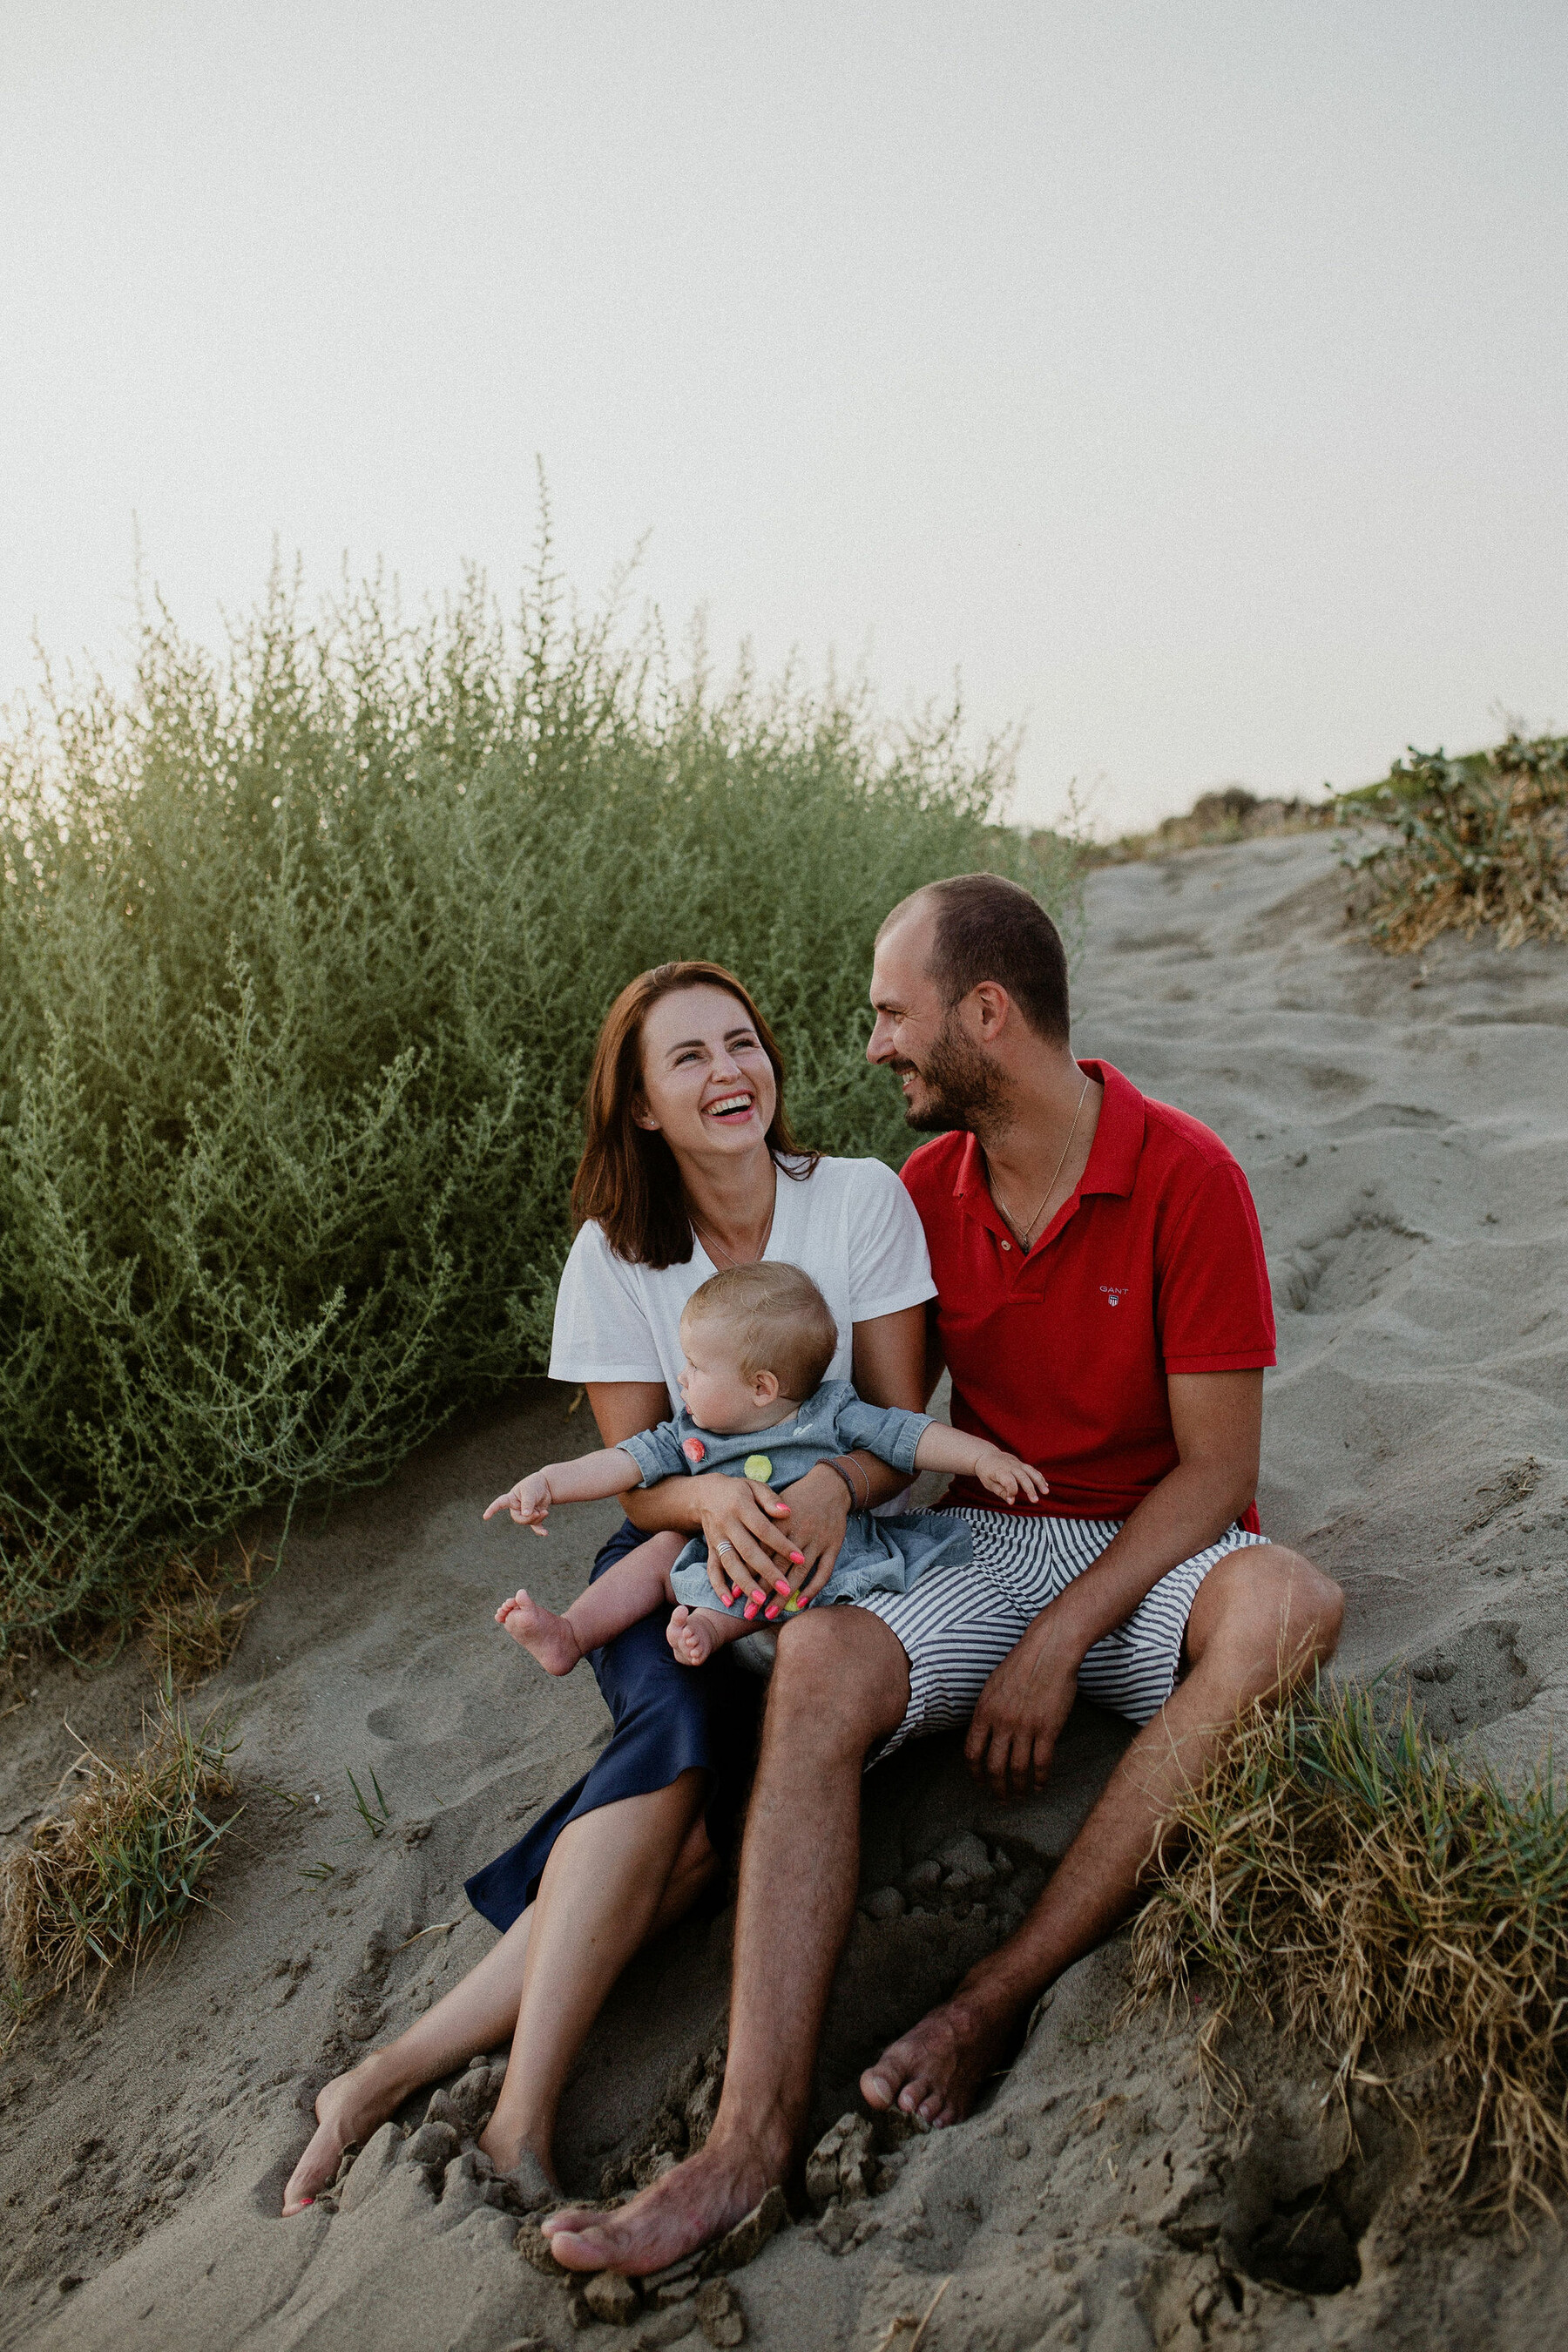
[(193, 1627), (1214, 820), (118, 1874), (1359, 1882), (1483, 840)]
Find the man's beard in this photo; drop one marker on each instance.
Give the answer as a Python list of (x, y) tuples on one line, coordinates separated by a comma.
[(962, 1087)]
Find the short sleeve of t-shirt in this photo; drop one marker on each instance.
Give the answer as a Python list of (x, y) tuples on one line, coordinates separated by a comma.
[(601, 1320), (889, 1264), (1213, 1311)]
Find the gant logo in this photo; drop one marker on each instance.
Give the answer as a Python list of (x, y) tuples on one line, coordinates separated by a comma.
[(1113, 1293)]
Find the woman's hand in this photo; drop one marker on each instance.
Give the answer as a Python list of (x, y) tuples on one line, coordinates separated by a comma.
[(748, 1530), (819, 1514)]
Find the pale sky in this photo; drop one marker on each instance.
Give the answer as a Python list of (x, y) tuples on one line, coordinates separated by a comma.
[(1192, 378)]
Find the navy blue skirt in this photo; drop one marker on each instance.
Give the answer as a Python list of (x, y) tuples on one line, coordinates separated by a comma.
[(667, 1720)]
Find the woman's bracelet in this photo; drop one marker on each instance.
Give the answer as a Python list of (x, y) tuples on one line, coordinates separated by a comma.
[(844, 1464)]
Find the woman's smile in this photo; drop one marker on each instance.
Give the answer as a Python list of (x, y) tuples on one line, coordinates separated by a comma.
[(733, 1108)]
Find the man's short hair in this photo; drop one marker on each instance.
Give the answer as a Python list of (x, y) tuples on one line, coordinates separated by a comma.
[(783, 1324), (989, 928)]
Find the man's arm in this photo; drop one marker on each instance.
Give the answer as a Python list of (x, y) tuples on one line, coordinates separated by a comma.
[(935, 1354), (1217, 1419)]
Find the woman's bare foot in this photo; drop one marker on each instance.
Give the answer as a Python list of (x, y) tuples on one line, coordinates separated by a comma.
[(532, 2176), (684, 2209), (348, 2108), (695, 1634), (935, 2072), (547, 1637), (509, 2145)]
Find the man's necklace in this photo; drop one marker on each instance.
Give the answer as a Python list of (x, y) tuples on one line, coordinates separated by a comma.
[(1022, 1232), (721, 1257)]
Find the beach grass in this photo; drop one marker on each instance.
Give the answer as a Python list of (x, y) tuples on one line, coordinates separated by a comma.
[(303, 949), (1481, 841), (1371, 1891), (116, 1876)]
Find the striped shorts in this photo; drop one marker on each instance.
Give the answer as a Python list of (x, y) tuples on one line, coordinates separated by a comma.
[(957, 1624)]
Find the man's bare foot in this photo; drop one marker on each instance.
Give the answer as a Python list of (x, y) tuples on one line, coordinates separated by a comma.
[(695, 1634), (684, 2209), (348, 2108), (547, 1637), (935, 2073)]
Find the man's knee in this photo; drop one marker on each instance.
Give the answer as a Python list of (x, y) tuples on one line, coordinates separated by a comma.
[(838, 1672), (1273, 1606)]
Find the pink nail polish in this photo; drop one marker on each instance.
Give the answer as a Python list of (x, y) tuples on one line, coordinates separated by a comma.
[(781, 1584), (797, 1560), (753, 1605), (772, 1611)]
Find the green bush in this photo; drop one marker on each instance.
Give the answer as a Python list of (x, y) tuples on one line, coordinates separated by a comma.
[(1481, 840), (302, 955)]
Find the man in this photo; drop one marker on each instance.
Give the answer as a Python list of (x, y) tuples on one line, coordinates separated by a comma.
[(1103, 1307)]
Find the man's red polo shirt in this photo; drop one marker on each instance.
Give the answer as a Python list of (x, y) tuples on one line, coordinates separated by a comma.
[(1154, 1265)]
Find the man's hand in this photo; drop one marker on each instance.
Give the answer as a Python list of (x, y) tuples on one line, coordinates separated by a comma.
[(1021, 1713)]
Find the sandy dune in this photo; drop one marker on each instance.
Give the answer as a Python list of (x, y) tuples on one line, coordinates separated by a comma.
[(1404, 1132)]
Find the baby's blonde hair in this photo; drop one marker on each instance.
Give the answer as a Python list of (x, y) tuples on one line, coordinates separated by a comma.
[(783, 1324)]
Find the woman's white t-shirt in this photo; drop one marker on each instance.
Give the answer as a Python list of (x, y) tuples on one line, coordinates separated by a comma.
[(849, 1225)]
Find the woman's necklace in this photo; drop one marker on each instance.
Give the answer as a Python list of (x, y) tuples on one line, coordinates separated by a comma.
[(721, 1257), (1022, 1232)]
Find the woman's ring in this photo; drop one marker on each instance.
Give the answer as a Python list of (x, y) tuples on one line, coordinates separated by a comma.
[(726, 1547)]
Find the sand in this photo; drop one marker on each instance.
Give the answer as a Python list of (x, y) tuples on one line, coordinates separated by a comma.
[(1404, 1129)]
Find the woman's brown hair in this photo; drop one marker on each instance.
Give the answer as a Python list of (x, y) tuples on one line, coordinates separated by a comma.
[(626, 1179)]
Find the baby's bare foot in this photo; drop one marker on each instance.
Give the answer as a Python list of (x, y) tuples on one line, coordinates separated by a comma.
[(549, 1638), (696, 1634)]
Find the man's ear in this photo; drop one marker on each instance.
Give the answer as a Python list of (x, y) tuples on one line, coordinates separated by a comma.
[(988, 1004)]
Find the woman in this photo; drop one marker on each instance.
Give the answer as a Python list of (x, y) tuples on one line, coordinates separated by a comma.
[(689, 1166)]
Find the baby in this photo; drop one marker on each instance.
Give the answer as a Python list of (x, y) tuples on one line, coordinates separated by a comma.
[(757, 1342)]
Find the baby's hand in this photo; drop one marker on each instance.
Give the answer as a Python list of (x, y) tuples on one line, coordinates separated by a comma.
[(1005, 1475), (529, 1502)]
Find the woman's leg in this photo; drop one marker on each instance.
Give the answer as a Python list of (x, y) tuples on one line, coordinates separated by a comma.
[(647, 1857), (614, 1877)]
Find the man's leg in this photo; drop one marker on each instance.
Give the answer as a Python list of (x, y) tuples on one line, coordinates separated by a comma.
[(840, 1683), (1262, 1619)]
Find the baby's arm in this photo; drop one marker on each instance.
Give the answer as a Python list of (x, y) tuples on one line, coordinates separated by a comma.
[(942, 1448), (592, 1479)]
